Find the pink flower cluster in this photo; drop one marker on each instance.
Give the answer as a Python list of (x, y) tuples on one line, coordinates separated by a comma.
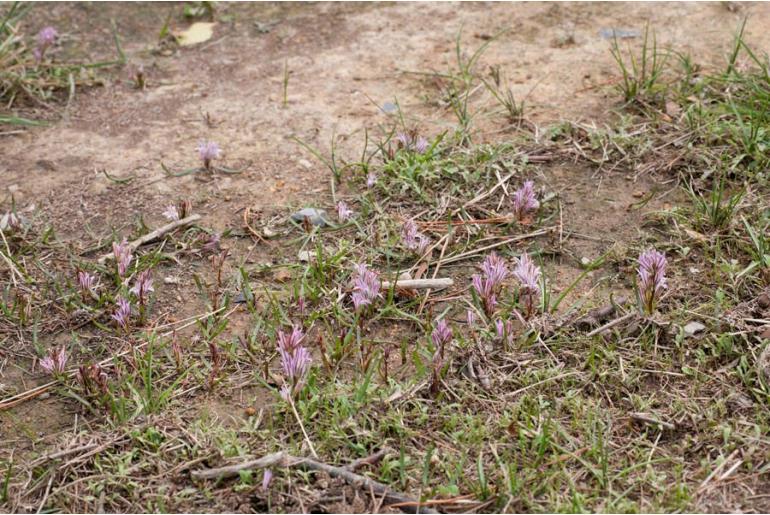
[(494, 271), (295, 362), (652, 278), (366, 286)]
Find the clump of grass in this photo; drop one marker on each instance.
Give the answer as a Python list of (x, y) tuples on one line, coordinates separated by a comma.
[(642, 75), (30, 75)]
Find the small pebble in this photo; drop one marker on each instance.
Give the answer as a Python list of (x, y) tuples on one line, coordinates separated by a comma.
[(315, 216), (694, 327), (305, 255)]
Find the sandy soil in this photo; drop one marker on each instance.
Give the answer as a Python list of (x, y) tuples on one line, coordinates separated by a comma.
[(343, 60)]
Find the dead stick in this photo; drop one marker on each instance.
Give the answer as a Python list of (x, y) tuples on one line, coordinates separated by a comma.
[(478, 198), (286, 460), (649, 419), (460, 257), (271, 460), (368, 460), (420, 284), (612, 323), (154, 235)]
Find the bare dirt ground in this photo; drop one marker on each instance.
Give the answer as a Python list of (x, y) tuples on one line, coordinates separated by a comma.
[(344, 62)]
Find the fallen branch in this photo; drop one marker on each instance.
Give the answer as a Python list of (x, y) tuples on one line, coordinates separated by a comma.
[(154, 235), (420, 284), (612, 323), (282, 459), (649, 419), (596, 316), (460, 257)]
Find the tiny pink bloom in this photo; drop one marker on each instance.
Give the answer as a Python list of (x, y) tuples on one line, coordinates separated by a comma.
[(366, 286), (267, 477), (652, 278), (344, 213), (86, 283), (123, 256), (528, 275), (47, 36), (143, 286), (208, 151), (525, 200), (122, 314), (412, 238), (421, 145), (55, 362), (171, 213), (442, 334)]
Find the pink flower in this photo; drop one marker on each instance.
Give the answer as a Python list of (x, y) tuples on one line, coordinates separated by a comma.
[(171, 213), (123, 256), (295, 361), (343, 211), (421, 145), (122, 314), (55, 362), (652, 278), (86, 283), (442, 334), (525, 200), (412, 238), (371, 179), (366, 286), (208, 151), (494, 271), (528, 275), (143, 286), (45, 38), (267, 477)]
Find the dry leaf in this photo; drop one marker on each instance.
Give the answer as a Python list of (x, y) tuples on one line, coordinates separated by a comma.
[(197, 33)]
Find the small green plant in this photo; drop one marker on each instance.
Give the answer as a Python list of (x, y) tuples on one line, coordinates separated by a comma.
[(514, 109), (759, 236), (642, 76), (716, 209)]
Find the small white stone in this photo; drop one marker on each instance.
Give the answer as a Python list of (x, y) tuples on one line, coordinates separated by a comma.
[(694, 327), (305, 255), (305, 163)]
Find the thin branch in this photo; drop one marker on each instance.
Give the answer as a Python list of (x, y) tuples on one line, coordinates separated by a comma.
[(154, 235), (286, 460), (420, 284)]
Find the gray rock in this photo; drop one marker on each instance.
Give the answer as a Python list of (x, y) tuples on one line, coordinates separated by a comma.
[(609, 33), (306, 256), (694, 327), (389, 107), (316, 216)]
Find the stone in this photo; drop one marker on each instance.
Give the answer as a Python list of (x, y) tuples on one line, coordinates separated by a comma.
[(610, 33), (305, 255), (693, 328), (316, 217)]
